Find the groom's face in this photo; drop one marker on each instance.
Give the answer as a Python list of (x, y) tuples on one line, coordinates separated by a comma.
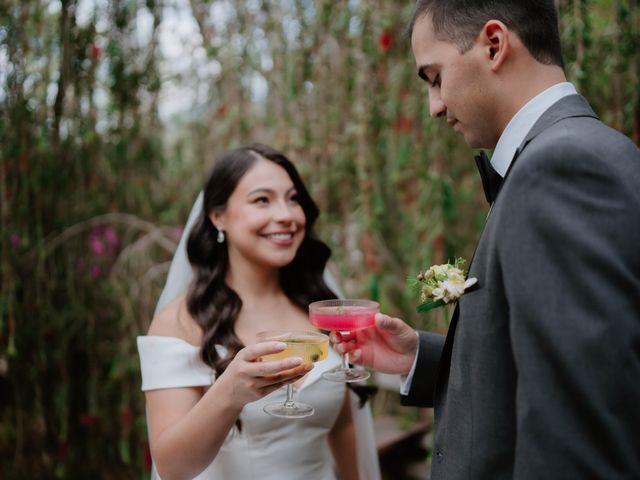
[(456, 86)]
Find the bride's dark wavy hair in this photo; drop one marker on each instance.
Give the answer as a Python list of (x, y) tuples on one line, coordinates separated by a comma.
[(211, 302)]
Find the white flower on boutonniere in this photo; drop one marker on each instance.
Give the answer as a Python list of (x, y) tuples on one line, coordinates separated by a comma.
[(441, 284)]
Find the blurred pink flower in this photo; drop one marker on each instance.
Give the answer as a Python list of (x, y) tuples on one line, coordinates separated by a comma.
[(104, 241), (177, 232), (16, 241), (95, 272), (112, 237), (97, 247)]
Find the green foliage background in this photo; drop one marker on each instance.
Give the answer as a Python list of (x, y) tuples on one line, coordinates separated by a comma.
[(94, 184)]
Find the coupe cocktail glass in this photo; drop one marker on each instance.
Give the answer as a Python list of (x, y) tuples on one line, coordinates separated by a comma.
[(311, 347), (344, 316)]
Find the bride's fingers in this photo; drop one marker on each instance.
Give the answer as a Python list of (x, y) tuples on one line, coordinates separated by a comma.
[(287, 376), (254, 352), (272, 367)]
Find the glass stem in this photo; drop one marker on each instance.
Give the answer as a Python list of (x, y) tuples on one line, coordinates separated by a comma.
[(345, 357), (288, 403)]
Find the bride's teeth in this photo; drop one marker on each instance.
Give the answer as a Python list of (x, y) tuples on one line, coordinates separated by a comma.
[(280, 236)]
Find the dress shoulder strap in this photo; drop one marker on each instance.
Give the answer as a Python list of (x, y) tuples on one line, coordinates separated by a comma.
[(170, 362)]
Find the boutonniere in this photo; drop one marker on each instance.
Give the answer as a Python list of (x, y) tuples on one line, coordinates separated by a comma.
[(441, 284)]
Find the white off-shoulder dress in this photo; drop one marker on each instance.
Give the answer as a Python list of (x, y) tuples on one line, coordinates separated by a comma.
[(268, 448)]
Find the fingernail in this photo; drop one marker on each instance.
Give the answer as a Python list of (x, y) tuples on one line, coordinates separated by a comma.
[(295, 361), (281, 345)]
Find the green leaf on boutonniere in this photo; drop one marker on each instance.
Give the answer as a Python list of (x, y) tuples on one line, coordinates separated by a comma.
[(440, 285), (425, 307)]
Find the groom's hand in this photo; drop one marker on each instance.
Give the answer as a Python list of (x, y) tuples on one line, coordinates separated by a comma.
[(390, 346)]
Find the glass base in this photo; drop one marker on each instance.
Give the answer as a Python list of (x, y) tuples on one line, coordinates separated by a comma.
[(291, 410), (346, 375)]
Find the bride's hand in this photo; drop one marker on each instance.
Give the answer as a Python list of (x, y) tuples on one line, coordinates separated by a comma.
[(248, 379)]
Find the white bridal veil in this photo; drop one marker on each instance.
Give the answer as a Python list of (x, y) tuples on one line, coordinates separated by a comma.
[(178, 280)]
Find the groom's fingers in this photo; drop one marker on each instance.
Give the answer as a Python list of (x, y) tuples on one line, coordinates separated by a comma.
[(346, 347), (391, 325), (343, 342), (338, 337)]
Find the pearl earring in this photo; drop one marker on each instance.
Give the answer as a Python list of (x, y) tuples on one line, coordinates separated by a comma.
[(220, 237)]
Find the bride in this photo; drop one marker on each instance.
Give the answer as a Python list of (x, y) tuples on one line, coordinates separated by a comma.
[(248, 261)]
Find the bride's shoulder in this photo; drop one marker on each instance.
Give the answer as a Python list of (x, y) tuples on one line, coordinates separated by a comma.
[(174, 320)]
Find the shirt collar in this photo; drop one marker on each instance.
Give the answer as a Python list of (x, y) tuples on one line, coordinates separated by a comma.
[(523, 121)]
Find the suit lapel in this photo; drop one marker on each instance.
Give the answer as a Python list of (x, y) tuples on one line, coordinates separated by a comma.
[(570, 106), (445, 365)]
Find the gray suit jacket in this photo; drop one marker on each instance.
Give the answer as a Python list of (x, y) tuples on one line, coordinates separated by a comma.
[(539, 375)]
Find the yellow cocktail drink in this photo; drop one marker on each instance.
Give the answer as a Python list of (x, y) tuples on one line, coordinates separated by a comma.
[(310, 349)]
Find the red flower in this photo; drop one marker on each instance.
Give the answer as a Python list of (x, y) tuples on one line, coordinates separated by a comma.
[(403, 124), (87, 419), (371, 260), (94, 52), (125, 417), (385, 40), (63, 450), (147, 456), (23, 164)]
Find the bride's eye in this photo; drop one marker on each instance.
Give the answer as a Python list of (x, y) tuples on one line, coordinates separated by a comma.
[(295, 198)]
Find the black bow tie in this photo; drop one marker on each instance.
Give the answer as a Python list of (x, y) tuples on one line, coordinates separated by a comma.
[(491, 179)]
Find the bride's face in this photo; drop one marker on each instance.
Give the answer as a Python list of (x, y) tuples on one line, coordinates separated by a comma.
[(263, 221)]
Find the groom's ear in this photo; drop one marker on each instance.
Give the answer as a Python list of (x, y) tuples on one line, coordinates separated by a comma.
[(495, 41)]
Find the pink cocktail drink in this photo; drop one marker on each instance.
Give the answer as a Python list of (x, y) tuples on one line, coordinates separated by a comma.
[(343, 318)]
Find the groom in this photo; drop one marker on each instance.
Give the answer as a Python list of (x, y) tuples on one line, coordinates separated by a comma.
[(539, 374)]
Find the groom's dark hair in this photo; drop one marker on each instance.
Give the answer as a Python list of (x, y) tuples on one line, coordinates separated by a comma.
[(460, 21)]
